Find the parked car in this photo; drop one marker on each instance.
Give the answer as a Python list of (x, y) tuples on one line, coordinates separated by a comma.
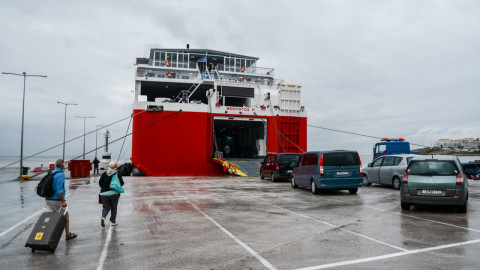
[(435, 180), (386, 170), (337, 169), (278, 166)]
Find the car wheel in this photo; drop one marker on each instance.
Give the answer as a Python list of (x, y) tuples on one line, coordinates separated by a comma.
[(313, 187), (397, 183), (261, 175), (353, 190), (464, 208), (273, 177), (405, 206), (292, 182), (365, 180)]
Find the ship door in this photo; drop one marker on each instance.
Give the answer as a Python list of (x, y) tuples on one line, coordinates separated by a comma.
[(244, 136)]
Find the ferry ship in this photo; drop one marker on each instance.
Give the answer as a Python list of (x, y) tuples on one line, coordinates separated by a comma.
[(191, 103)]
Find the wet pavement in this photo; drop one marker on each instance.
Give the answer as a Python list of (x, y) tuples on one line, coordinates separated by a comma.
[(241, 223)]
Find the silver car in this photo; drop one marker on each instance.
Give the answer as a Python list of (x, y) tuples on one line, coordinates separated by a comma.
[(386, 170)]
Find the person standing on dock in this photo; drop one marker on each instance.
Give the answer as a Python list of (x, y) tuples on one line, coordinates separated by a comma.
[(57, 202), (95, 166), (110, 197)]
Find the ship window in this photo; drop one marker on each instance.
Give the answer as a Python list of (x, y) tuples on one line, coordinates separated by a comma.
[(183, 60), (229, 64), (157, 59)]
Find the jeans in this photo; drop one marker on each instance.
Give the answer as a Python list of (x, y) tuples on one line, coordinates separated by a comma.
[(110, 203)]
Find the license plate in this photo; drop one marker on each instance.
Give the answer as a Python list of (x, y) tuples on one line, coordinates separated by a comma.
[(430, 192), (343, 173)]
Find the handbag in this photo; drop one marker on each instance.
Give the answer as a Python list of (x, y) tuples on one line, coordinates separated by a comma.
[(115, 184), (99, 199)]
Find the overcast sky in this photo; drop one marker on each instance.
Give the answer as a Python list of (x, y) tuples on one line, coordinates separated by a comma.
[(383, 68)]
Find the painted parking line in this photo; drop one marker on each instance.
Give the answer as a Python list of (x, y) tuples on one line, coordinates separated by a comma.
[(245, 246), (23, 221), (425, 219), (104, 254), (388, 256), (20, 223), (334, 226), (410, 216)]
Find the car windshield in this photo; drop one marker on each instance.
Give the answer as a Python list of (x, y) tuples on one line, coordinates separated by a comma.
[(288, 159), (341, 159), (432, 167)]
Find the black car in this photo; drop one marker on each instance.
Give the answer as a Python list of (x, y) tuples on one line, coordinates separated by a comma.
[(279, 166)]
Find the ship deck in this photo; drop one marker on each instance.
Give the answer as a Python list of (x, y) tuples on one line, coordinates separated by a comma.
[(241, 223)]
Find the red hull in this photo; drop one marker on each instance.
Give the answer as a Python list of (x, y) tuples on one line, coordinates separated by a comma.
[(181, 145)]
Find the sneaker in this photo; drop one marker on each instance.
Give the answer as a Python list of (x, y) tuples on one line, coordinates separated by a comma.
[(103, 222), (114, 224)]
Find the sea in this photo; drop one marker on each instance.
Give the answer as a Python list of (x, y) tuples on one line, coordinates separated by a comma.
[(11, 172)]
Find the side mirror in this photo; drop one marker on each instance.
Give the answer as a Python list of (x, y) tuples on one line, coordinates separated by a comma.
[(369, 164)]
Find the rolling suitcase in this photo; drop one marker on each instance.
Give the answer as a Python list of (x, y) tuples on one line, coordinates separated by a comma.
[(47, 232)]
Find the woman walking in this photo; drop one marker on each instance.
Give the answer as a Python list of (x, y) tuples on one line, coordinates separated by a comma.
[(110, 193)]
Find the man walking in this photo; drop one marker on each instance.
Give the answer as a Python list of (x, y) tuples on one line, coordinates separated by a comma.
[(57, 202)]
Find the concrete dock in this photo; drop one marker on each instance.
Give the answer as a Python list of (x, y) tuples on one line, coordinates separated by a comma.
[(241, 223)]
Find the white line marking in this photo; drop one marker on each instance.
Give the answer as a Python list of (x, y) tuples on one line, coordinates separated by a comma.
[(434, 221), (20, 223), (23, 221), (388, 256), (245, 246), (335, 226), (105, 249), (425, 219)]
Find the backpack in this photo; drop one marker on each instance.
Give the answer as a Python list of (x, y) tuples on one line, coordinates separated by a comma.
[(45, 187)]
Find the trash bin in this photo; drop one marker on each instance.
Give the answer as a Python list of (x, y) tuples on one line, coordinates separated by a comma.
[(25, 170)]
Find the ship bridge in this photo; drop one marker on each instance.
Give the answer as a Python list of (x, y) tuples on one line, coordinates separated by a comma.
[(202, 64)]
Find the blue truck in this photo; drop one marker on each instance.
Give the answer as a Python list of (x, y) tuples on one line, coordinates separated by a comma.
[(391, 146)]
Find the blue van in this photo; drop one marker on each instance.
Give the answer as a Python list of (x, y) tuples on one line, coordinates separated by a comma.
[(339, 169)]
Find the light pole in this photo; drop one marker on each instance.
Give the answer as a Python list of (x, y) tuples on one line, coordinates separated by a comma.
[(84, 120), (25, 75), (65, 125), (96, 139)]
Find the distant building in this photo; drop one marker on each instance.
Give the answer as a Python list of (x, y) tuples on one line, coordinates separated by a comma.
[(466, 144)]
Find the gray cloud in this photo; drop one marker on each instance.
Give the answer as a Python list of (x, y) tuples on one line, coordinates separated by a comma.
[(384, 68)]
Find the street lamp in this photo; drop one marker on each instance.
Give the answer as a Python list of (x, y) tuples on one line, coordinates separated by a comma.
[(84, 120), (65, 125), (25, 75), (96, 139)]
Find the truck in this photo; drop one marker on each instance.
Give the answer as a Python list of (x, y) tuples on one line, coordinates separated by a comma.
[(391, 146)]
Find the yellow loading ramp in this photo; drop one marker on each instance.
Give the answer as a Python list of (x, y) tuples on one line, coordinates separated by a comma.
[(229, 167)]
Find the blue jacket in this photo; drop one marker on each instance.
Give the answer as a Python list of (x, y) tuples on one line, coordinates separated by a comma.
[(58, 184)]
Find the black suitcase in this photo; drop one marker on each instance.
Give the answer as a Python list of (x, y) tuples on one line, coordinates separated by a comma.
[(47, 232)]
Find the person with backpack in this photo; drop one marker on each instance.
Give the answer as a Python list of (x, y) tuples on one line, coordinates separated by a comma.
[(57, 202), (111, 183)]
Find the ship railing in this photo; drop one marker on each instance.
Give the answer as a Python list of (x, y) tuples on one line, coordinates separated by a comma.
[(260, 71), (202, 75)]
